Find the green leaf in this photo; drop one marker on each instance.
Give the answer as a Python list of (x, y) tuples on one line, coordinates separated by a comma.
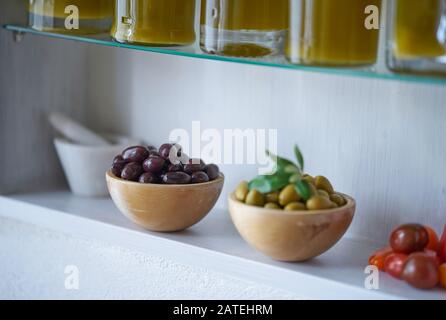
[(281, 163), (293, 179), (299, 157), (292, 169), (303, 188), (279, 181), (266, 184), (260, 184)]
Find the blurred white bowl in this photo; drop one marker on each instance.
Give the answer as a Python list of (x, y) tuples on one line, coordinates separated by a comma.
[(85, 166)]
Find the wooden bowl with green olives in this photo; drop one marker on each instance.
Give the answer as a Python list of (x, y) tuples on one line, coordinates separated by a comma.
[(288, 214), (287, 226), (163, 207), (291, 235)]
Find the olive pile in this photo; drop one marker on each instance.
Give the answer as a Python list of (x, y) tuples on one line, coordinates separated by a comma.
[(322, 197), (166, 165)]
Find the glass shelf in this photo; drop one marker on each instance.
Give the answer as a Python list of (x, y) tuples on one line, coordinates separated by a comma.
[(278, 62)]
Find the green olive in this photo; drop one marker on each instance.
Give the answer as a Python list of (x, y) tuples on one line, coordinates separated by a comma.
[(309, 179), (323, 193), (338, 199), (288, 195), (319, 203), (272, 205), (313, 190), (295, 206), (255, 198), (324, 184), (242, 191), (272, 197)]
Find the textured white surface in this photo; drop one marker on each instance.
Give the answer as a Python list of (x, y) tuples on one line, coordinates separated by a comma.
[(214, 245), (105, 271)]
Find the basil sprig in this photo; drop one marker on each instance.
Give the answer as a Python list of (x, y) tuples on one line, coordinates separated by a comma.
[(299, 157), (285, 172)]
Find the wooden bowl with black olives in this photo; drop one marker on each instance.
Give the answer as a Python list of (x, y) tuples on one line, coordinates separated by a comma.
[(162, 189)]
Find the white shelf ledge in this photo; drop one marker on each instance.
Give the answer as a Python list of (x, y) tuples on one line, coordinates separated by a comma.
[(214, 244)]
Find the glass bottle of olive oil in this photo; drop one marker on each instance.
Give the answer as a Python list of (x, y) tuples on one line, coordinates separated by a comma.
[(51, 15), (332, 33), (243, 28), (155, 22), (417, 36)]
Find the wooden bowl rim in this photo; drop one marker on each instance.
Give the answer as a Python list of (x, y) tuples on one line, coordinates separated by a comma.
[(219, 180), (350, 206)]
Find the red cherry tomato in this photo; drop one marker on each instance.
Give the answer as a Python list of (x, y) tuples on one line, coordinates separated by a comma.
[(421, 271), (409, 238), (442, 247), (377, 258), (429, 253), (442, 271), (433, 239), (394, 264)]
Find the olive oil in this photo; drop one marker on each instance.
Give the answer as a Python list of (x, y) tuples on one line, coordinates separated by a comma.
[(245, 28), (50, 15), (416, 30), (331, 33), (417, 37), (155, 22)]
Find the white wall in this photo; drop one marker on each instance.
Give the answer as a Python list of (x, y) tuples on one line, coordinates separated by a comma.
[(380, 141), (37, 75)]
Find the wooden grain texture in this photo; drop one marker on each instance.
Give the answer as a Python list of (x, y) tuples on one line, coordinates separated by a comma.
[(37, 76), (164, 208), (291, 236)]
